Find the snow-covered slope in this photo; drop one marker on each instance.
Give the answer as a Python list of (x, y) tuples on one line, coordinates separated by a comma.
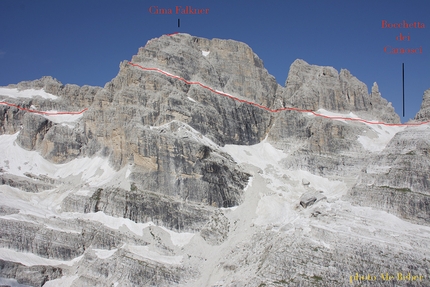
[(27, 93), (271, 206)]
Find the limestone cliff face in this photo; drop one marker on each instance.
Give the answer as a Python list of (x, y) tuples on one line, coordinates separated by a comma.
[(58, 143), (34, 132), (321, 145), (397, 180), (71, 95), (314, 87), (229, 66), (424, 112)]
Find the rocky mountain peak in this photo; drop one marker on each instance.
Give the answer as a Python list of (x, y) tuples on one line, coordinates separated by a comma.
[(314, 87), (424, 112), (225, 65), (45, 81), (375, 90)]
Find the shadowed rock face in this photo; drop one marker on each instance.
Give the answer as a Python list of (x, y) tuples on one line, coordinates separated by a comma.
[(165, 140), (141, 207), (35, 130), (30, 276)]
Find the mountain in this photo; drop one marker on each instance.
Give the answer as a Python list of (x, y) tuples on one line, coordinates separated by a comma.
[(193, 167)]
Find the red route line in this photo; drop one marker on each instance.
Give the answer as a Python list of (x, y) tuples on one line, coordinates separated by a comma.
[(41, 112), (267, 108)]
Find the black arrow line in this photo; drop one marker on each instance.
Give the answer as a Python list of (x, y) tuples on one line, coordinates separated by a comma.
[(403, 83)]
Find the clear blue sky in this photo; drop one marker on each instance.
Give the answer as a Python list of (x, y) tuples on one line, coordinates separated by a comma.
[(83, 42)]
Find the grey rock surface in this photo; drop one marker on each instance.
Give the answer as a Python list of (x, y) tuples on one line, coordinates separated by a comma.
[(424, 112), (313, 87), (6, 210), (397, 179), (72, 98), (34, 130), (216, 229), (141, 206), (25, 183), (71, 95), (231, 66), (31, 276)]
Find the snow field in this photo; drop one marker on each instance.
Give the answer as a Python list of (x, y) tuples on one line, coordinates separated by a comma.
[(377, 141), (29, 93), (30, 259), (145, 252), (18, 161), (65, 119)]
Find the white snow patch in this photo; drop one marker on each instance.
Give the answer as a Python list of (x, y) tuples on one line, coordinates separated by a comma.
[(63, 119), (167, 73), (333, 114), (260, 155), (18, 161), (191, 99), (62, 229), (280, 189), (187, 130), (84, 192), (179, 239), (274, 210), (128, 172), (222, 92), (103, 254), (250, 179), (420, 127), (330, 188), (229, 208), (65, 281), (29, 93), (110, 221), (30, 259), (378, 169), (205, 53), (384, 135), (145, 252), (38, 204)]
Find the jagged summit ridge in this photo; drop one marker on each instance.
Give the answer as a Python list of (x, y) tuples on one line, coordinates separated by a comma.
[(232, 67), (313, 87), (42, 83)]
